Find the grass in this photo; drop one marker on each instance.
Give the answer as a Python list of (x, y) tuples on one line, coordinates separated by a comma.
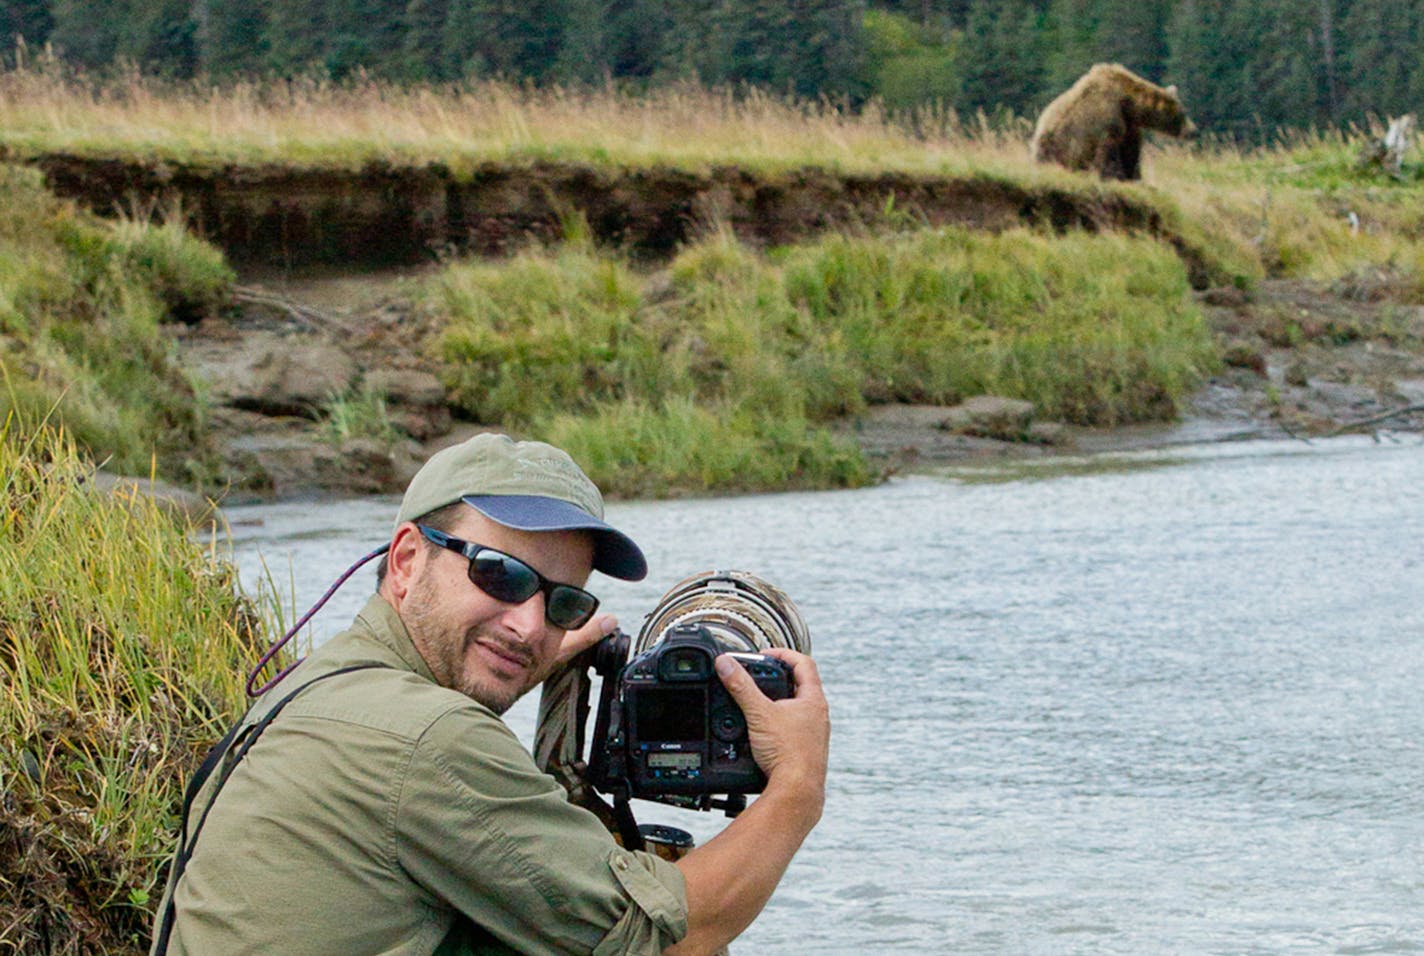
[(82, 303), (46, 107), (122, 649), (359, 413), (725, 369)]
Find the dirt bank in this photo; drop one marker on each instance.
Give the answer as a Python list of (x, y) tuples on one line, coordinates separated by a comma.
[(383, 216), (1302, 360)]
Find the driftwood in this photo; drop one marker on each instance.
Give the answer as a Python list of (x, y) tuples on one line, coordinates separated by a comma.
[(1388, 153), (1376, 419)]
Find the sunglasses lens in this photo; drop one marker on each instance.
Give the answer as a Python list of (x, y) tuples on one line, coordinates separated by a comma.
[(570, 608), (502, 577)]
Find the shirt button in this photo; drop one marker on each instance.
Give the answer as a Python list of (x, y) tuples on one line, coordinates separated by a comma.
[(620, 864)]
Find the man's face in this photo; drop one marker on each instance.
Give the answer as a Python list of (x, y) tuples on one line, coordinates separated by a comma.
[(489, 650)]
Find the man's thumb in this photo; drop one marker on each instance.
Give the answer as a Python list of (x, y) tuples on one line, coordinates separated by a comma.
[(736, 679)]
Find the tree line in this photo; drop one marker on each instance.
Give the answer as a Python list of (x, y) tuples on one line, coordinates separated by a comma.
[(1244, 67)]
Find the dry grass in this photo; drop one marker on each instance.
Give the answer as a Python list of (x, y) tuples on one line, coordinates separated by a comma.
[(46, 108)]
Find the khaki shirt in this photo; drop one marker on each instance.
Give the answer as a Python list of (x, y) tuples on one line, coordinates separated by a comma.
[(382, 813)]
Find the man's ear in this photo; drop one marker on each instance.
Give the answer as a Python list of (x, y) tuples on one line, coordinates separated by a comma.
[(403, 562)]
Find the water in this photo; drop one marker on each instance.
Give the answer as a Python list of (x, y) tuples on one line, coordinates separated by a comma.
[(1156, 704)]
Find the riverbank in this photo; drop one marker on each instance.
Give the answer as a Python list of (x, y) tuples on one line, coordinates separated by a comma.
[(1301, 359)]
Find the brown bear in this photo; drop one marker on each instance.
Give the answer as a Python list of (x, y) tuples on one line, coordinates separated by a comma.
[(1097, 124)]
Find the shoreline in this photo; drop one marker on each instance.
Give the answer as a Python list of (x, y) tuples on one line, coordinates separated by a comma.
[(1302, 360)]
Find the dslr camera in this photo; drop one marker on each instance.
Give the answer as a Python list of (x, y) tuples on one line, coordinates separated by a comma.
[(669, 727), (666, 729)]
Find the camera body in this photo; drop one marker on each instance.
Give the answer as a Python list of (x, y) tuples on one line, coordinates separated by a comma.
[(667, 726)]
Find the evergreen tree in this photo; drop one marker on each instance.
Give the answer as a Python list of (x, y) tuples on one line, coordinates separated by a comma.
[(584, 48), (87, 31), (423, 25), (232, 36), (27, 20), (638, 35), (1003, 57), (1382, 53), (1205, 67)]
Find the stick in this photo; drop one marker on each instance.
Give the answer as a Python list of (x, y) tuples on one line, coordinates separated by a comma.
[(1383, 416)]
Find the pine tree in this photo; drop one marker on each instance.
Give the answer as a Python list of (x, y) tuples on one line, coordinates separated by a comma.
[(423, 24), (87, 31), (1003, 57), (1383, 47), (27, 20)]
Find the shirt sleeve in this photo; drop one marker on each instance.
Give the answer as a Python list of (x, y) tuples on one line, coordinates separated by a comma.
[(482, 829)]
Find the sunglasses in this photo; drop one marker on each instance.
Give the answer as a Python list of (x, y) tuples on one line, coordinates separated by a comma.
[(509, 579)]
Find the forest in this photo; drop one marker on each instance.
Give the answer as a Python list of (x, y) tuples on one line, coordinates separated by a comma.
[(1247, 69)]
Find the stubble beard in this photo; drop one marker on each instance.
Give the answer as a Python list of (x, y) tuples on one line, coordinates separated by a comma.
[(446, 650)]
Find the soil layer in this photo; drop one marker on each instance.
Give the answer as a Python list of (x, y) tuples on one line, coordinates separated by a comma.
[(383, 216)]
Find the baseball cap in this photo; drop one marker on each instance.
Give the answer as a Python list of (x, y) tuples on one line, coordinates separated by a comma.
[(525, 485)]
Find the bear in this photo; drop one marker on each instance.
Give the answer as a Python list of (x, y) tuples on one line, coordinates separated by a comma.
[(1097, 123)]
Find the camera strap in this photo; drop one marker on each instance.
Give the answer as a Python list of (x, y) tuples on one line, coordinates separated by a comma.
[(186, 843)]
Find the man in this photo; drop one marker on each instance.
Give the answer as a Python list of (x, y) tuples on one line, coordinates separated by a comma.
[(387, 809)]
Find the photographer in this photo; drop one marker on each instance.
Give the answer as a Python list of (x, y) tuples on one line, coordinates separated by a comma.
[(386, 808)]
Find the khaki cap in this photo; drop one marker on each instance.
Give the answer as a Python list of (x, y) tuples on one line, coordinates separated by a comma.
[(525, 485)]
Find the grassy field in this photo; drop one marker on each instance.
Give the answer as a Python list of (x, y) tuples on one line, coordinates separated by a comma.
[(122, 649), (81, 302)]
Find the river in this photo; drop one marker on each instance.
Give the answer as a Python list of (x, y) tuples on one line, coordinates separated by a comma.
[(1157, 703)]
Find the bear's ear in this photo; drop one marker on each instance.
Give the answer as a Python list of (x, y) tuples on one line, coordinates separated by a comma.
[(1172, 90)]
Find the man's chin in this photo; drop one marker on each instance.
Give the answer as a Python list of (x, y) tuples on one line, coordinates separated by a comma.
[(498, 697)]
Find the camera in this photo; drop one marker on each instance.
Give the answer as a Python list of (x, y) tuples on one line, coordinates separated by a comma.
[(666, 726)]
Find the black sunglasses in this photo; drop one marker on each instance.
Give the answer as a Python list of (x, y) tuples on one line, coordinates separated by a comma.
[(509, 579)]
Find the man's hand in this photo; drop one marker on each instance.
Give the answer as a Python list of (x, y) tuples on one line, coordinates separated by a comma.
[(790, 738), (730, 878), (576, 642)]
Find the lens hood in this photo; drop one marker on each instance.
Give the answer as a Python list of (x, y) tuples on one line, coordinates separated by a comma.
[(740, 610)]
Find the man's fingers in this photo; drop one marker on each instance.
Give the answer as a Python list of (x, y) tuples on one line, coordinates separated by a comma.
[(803, 669), (739, 683), (576, 642)]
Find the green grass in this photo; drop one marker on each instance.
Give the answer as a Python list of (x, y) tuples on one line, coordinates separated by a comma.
[(122, 649), (725, 369), (359, 413), (82, 302)]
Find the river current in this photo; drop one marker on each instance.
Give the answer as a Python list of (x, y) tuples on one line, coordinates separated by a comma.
[(1157, 703)]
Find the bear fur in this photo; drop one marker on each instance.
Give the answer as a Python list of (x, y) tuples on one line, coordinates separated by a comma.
[(1097, 123)]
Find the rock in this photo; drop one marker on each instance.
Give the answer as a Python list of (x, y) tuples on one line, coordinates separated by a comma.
[(1297, 374), (1047, 433), (281, 375), (991, 416), (406, 386), (909, 416), (1242, 354), (295, 463)]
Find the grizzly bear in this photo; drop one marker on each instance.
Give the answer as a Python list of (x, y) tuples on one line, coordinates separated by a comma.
[(1097, 124)]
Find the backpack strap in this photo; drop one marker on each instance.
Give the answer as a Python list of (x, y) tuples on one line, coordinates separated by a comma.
[(186, 843)]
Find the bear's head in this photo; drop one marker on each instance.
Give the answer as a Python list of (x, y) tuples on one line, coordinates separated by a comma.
[(1166, 114)]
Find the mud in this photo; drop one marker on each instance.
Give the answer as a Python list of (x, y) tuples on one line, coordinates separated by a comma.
[(382, 216)]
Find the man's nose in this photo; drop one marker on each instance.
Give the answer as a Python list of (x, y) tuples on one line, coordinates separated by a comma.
[(527, 617)]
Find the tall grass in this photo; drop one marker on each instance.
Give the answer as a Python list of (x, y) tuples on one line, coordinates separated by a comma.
[(122, 644), (81, 306), (724, 369), (46, 107)]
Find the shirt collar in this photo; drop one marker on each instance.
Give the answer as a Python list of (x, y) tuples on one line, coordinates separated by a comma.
[(384, 626)]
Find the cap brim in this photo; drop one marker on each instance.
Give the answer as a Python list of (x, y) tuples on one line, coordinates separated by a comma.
[(614, 553)]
